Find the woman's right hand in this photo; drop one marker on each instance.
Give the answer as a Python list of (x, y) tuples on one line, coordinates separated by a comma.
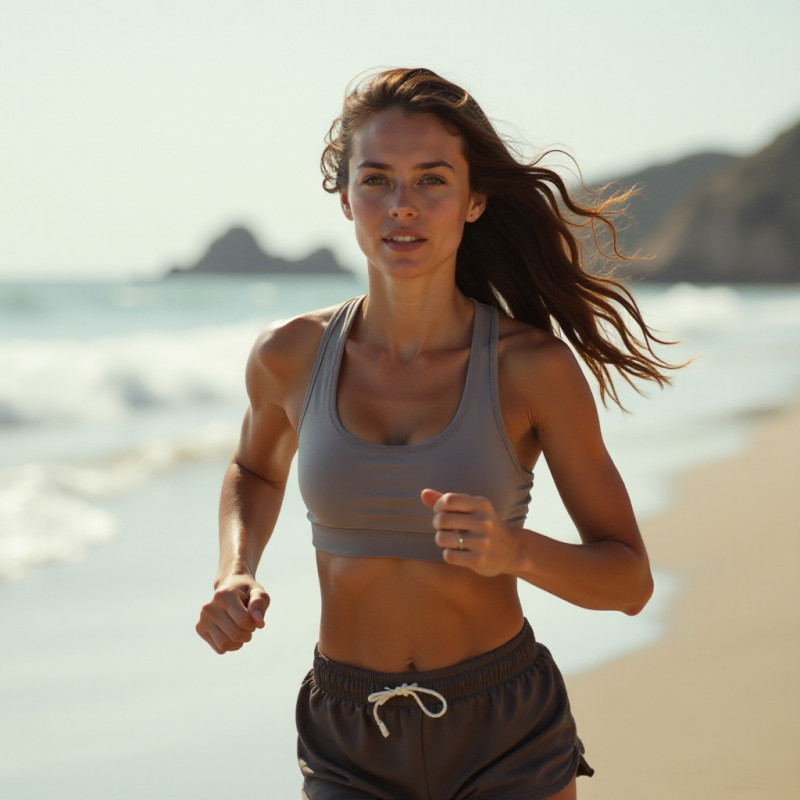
[(237, 608)]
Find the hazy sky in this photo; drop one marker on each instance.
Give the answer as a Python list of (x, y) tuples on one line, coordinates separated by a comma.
[(132, 132)]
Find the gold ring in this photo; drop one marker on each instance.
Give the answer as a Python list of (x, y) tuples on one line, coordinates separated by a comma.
[(460, 542)]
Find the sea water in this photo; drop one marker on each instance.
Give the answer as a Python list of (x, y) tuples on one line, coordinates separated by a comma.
[(119, 406)]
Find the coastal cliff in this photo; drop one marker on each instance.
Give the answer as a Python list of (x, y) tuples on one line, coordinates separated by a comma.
[(716, 218)]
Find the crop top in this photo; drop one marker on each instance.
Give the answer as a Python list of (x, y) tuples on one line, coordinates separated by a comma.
[(363, 498)]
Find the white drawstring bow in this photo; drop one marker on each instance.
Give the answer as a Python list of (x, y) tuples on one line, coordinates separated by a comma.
[(406, 690)]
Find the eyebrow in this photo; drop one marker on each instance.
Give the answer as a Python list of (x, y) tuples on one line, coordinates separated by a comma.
[(424, 165)]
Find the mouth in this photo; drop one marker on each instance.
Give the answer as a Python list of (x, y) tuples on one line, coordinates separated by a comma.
[(403, 239)]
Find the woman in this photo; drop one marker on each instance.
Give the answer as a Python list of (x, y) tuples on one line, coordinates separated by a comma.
[(419, 412)]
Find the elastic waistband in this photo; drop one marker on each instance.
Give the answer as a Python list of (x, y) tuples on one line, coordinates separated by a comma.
[(460, 680)]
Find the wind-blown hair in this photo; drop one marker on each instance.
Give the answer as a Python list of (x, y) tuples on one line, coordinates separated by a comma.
[(524, 254)]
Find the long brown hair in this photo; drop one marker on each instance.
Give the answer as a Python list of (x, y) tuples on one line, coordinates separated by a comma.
[(526, 253)]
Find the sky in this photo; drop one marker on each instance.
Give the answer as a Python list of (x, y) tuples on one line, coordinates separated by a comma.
[(134, 132)]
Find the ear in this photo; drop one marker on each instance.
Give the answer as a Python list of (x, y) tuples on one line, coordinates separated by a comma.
[(346, 210), (477, 205)]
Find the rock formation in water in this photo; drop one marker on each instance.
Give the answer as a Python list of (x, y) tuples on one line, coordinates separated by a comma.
[(238, 253)]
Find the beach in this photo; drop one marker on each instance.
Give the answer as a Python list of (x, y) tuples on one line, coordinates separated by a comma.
[(119, 407), (712, 710)]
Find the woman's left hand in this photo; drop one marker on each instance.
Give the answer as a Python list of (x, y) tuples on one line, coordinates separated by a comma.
[(471, 534)]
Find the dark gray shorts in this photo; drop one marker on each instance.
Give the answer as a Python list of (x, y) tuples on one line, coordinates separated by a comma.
[(507, 733)]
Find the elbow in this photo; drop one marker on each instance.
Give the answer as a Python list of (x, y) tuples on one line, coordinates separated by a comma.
[(640, 597)]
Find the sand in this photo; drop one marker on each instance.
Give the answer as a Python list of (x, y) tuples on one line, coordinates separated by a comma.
[(106, 691), (713, 709)]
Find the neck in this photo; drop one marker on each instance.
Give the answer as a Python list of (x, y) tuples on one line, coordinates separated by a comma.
[(407, 318)]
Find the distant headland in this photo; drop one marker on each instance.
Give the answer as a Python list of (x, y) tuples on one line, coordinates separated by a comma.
[(718, 218), (706, 218), (237, 252)]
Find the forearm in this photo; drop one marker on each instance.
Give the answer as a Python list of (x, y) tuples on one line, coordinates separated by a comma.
[(248, 511), (602, 575)]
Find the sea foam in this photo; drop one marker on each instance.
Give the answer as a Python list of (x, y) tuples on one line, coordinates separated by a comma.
[(51, 512), (110, 378)]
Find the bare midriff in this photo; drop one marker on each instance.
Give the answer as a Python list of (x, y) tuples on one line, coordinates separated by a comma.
[(398, 615)]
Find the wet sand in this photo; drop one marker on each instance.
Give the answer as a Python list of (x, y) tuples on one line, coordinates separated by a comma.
[(712, 710)]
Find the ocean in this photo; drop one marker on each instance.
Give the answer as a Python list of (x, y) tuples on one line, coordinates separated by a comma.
[(120, 404)]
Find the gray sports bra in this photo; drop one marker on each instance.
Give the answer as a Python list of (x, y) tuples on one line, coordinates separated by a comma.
[(363, 498)]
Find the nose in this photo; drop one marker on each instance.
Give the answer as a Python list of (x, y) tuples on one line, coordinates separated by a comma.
[(402, 206)]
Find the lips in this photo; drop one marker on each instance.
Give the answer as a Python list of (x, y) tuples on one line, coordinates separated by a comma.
[(400, 237)]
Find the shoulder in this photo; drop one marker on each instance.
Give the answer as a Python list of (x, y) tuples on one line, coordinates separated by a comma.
[(526, 350), (541, 371), (284, 352), (282, 342)]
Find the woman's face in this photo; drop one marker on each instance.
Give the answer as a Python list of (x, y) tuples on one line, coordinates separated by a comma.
[(408, 193)]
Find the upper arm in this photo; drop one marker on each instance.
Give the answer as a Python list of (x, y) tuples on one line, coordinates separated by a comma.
[(277, 375), (566, 424)]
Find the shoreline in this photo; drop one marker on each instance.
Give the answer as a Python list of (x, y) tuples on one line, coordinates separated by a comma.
[(712, 709)]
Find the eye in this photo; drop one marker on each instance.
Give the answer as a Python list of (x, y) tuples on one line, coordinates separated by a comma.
[(375, 180), (433, 180)]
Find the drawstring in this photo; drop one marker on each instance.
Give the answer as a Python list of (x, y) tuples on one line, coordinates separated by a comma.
[(406, 690)]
